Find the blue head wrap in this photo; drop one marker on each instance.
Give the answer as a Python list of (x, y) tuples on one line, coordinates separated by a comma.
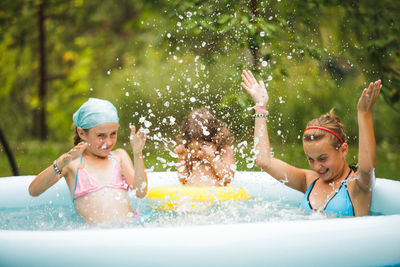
[(95, 112)]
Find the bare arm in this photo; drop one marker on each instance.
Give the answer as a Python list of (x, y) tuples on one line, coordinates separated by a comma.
[(49, 177), (367, 144), (292, 176), (138, 141)]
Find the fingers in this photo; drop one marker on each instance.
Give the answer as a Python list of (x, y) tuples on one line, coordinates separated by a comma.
[(245, 87), (248, 78), (373, 89), (141, 134), (80, 147), (245, 80), (377, 88), (248, 81), (261, 83), (252, 79), (369, 96), (133, 129)]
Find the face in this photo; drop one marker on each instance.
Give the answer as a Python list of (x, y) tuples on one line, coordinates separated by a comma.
[(326, 160), (101, 139)]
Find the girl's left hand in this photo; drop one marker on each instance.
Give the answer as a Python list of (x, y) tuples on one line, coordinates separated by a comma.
[(369, 96), (137, 140)]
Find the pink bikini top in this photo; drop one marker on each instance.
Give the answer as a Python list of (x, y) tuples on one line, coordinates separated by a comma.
[(85, 183)]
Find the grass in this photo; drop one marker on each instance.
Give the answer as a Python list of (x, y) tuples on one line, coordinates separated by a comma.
[(32, 157)]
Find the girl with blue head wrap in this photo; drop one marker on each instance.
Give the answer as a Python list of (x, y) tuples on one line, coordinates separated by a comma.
[(94, 112), (99, 177)]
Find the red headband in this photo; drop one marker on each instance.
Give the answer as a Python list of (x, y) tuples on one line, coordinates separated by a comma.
[(326, 130)]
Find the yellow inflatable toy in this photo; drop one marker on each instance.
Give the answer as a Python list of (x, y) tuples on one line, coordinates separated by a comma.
[(190, 198)]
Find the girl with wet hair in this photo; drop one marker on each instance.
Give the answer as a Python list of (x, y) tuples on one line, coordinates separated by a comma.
[(331, 186), (205, 156)]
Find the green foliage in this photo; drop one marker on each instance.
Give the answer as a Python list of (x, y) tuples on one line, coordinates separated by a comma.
[(157, 60)]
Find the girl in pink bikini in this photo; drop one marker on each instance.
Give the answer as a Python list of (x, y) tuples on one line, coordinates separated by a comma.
[(97, 177)]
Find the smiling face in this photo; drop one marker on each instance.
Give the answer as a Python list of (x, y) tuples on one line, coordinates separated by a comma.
[(101, 138), (329, 162)]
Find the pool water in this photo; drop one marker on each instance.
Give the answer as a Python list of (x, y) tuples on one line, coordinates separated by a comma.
[(61, 217), (269, 202), (268, 228)]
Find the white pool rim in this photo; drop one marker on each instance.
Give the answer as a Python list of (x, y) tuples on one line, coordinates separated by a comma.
[(361, 241)]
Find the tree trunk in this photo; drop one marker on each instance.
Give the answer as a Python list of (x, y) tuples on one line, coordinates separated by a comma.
[(41, 111)]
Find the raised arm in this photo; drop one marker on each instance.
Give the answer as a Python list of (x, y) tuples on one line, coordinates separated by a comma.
[(290, 175), (49, 176), (367, 144), (138, 141)]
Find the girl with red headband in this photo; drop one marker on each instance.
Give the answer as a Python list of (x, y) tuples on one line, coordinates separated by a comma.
[(332, 186)]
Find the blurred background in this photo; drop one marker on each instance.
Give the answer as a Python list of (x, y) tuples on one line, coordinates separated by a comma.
[(158, 60)]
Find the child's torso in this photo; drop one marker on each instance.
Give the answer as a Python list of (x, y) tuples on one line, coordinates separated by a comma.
[(99, 190), (93, 177), (344, 198)]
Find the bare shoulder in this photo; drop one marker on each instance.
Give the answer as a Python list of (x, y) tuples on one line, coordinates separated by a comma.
[(120, 153), (227, 152), (310, 177), (227, 149)]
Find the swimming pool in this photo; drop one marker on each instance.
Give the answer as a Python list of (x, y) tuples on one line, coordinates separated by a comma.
[(283, 235)]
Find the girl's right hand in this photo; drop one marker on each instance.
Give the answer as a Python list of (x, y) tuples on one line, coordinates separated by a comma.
[(74, 153), (256, 90)]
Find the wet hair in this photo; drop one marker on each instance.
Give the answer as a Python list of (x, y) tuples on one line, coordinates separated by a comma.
[(77, 138), (329, 121), (201, 125)]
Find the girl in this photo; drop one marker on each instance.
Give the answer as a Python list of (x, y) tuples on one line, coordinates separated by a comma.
[(205, 157), (332, 185), (98, 179)]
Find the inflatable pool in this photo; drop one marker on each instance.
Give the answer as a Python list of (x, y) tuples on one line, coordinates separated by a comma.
[(319, 241)]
